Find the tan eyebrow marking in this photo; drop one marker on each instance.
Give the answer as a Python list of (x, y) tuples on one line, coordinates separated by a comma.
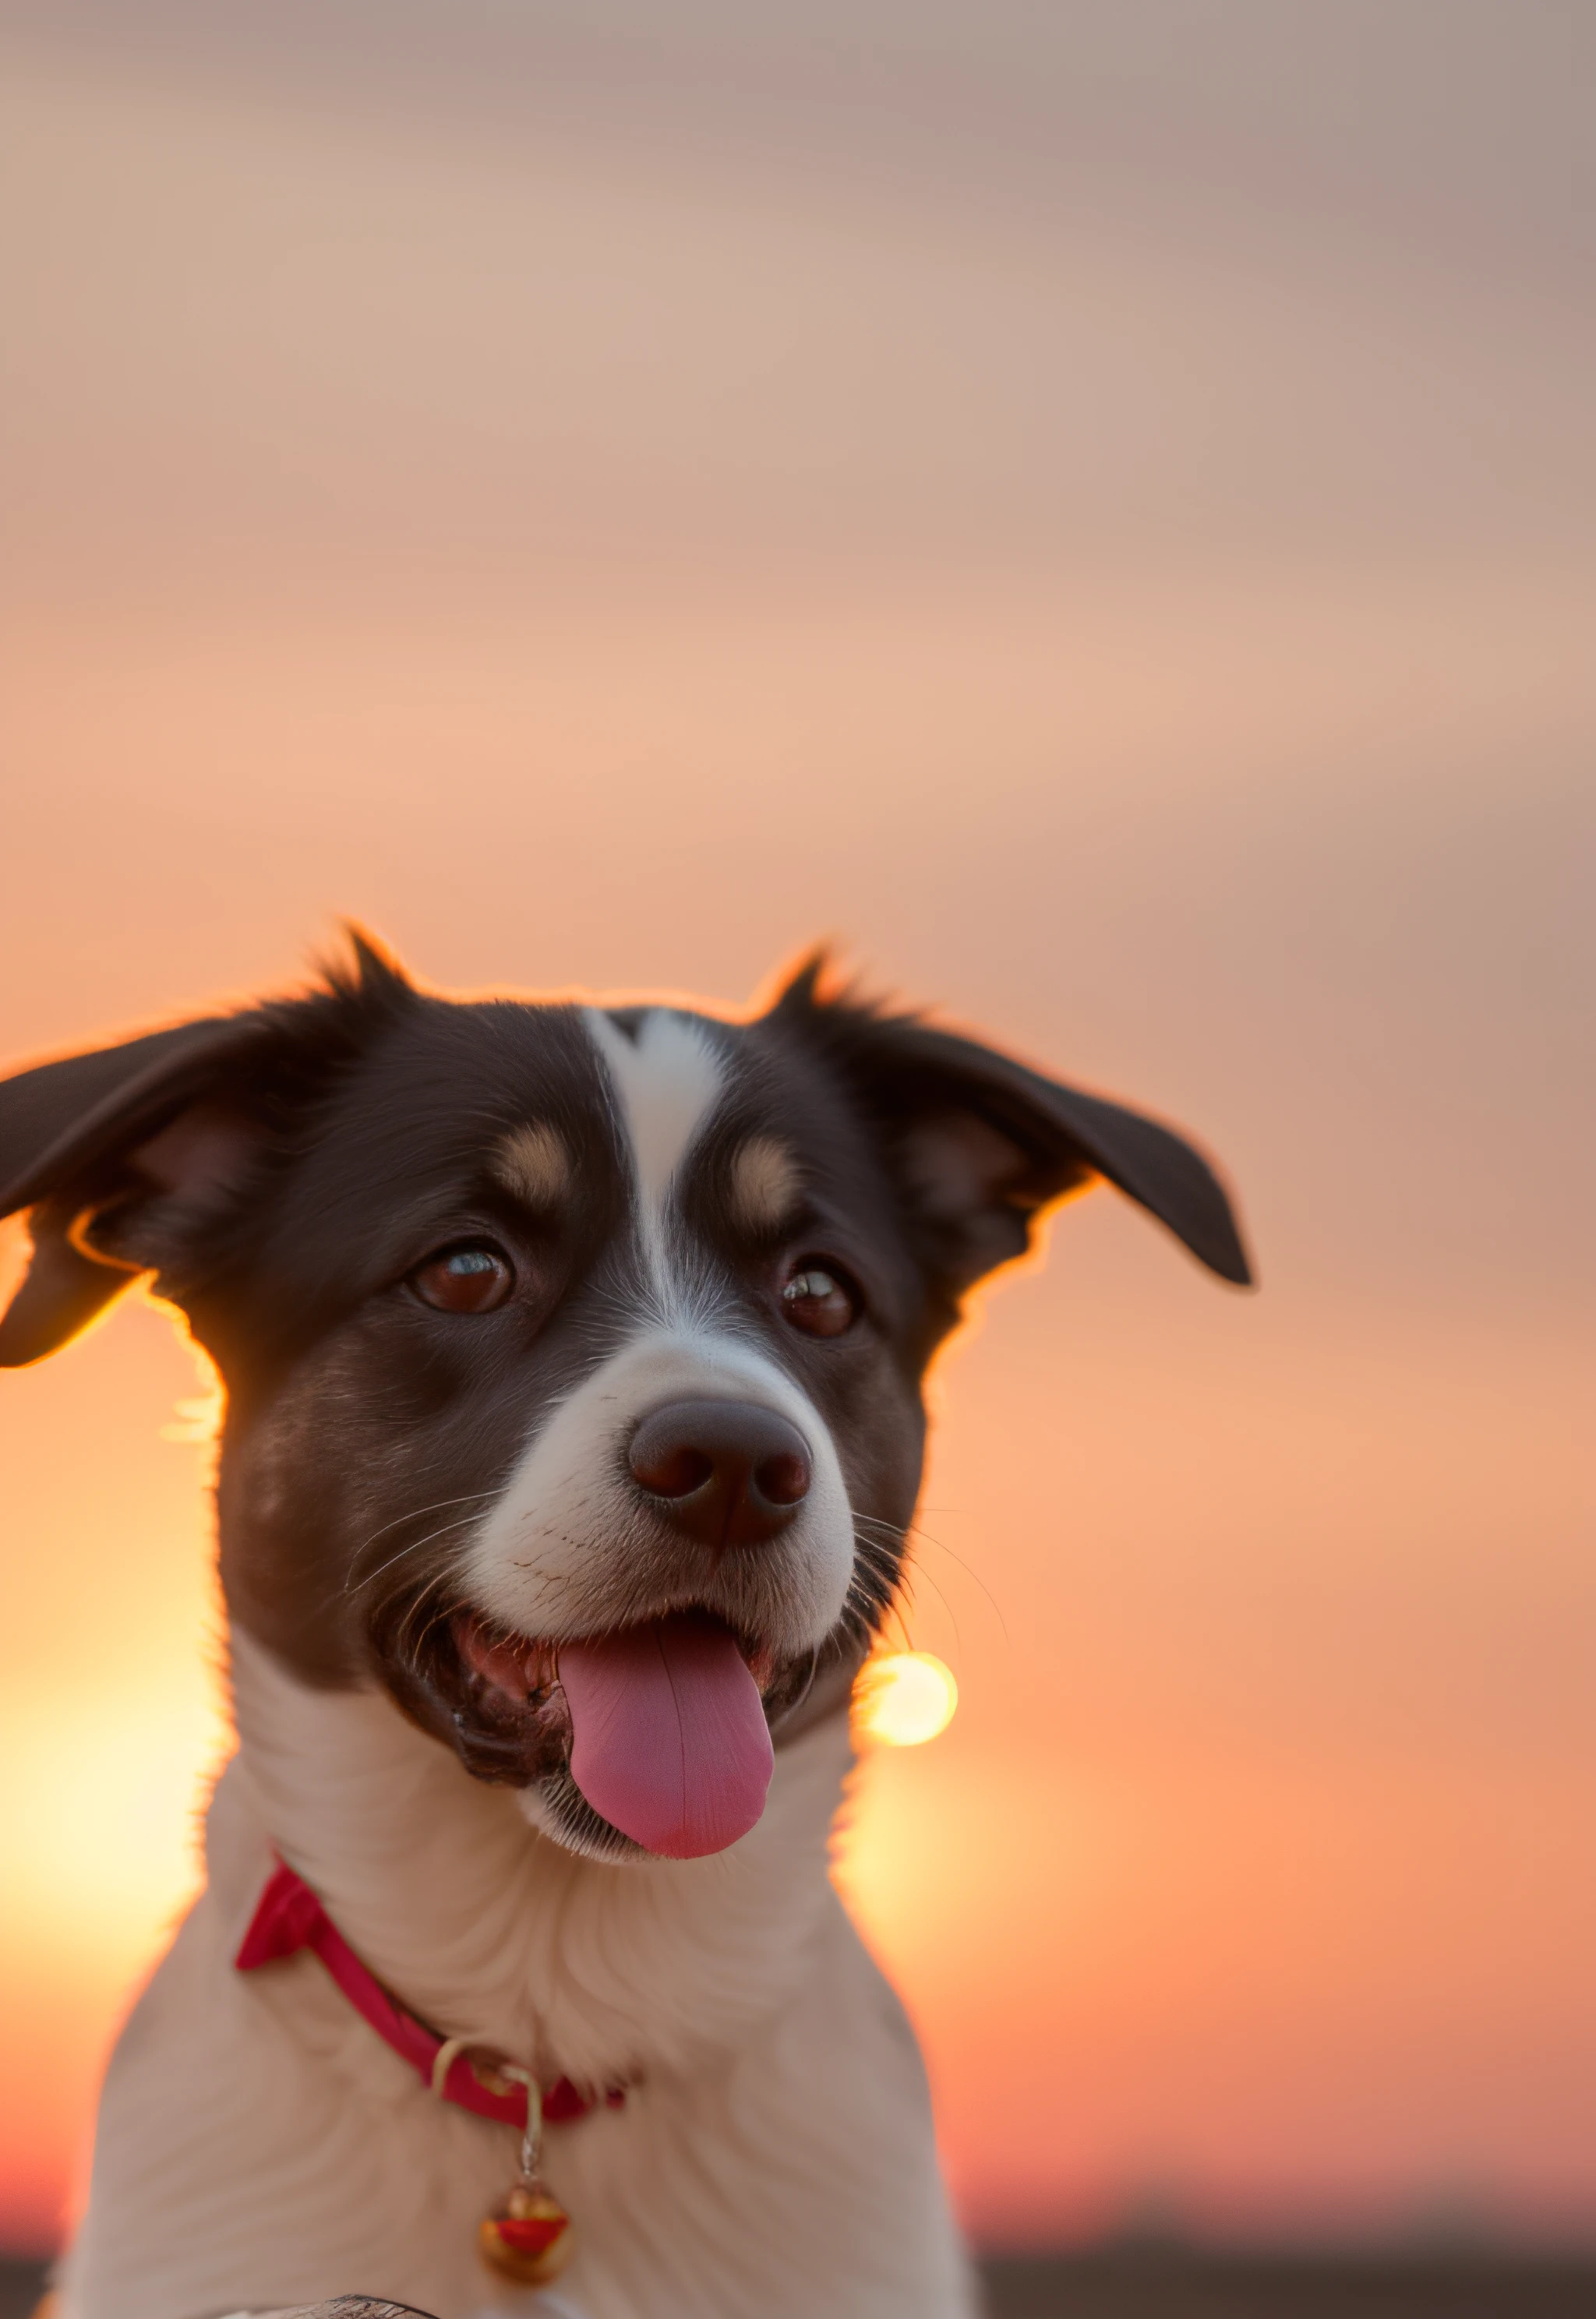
[(764, 1184), (534, 1164)]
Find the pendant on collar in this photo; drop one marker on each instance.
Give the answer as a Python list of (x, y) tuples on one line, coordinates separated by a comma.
[(528, 2236)]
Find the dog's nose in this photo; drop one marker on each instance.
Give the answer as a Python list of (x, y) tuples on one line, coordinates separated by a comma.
[(726, 1472)]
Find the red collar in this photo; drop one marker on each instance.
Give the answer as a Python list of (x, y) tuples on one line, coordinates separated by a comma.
[(290, 1918)]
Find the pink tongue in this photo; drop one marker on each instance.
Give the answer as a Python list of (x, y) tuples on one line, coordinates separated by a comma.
[(670, 1740)]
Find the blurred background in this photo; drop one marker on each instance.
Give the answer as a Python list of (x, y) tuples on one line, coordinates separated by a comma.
[(1093, 507)]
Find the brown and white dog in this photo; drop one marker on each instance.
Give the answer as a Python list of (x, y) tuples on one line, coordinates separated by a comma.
[(573, 1359)]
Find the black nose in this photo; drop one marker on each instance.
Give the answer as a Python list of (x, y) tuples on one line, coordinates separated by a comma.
[(726, 1472)]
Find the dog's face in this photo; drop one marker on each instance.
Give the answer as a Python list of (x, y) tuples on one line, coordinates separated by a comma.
[(576, 1322), (574, 1355)]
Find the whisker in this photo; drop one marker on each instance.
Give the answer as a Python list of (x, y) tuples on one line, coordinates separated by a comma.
[(875, 1556), (414, 1513), (916, 1533), (947, 1606), (872, 1584), (461, 1521), (407, 1641), (970, 1570)]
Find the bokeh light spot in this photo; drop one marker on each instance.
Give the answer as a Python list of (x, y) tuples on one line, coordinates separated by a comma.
[(904, 1698)]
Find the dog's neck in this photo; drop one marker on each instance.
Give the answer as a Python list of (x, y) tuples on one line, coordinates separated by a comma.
[(486, 1926)]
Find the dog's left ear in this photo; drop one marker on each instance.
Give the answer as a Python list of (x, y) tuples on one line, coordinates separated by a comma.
[(131, 1159), (980, 1144)]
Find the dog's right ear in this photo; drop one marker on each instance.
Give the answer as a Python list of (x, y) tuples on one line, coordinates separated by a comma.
[(981, 1144), (128, 1160)]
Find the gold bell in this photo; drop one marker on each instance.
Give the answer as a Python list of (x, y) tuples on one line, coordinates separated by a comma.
[(528, 2236)]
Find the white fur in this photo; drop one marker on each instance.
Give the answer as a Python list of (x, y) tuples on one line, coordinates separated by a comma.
[(560, 1553), (666, 1083), (258, 2146)]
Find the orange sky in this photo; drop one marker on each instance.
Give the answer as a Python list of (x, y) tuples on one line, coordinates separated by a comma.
[(1145, 608)]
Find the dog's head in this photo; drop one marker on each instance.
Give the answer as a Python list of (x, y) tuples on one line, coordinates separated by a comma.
[(574, 1355)]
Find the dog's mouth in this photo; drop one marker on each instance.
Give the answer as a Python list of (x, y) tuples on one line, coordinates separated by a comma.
[(655, 1736)]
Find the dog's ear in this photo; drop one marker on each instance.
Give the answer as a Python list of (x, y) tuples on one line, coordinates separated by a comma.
[(979, 1143), (131, 1158)]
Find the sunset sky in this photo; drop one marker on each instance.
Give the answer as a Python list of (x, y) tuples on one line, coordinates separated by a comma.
[(1093, 509)]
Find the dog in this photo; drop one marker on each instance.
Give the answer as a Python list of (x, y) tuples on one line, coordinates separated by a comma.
[(573, 1359)]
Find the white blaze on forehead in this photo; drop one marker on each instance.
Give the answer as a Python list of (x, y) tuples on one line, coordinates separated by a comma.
[(667, 1082)]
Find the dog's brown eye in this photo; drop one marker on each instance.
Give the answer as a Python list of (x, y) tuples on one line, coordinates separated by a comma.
[(818, 1302), (463, 1280)]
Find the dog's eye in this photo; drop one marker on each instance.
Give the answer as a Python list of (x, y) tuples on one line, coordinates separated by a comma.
[(817, 1301), (473, 1279)]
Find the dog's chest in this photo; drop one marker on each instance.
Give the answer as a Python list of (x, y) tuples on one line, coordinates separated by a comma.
[(601, 1972), (775, 2137)]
